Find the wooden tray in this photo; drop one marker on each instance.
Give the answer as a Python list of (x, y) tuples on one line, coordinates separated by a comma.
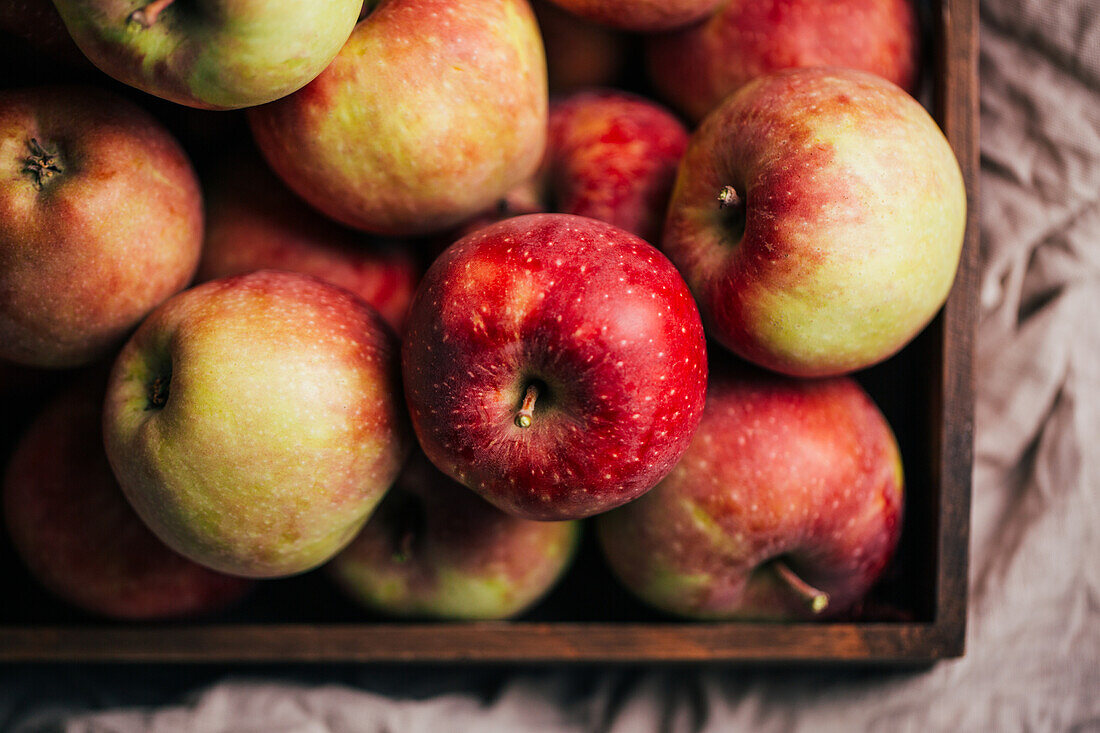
[(917, 615)]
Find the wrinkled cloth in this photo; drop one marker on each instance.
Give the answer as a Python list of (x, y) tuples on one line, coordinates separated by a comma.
[(1033, 646)]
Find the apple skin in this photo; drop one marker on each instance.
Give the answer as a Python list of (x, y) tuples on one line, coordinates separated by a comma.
[(613, 156), (594, 316), (434, 549), (803, 470), (222, 54), (255, 421), (579, 54), (695, 68), (849, 228), (432, 112), (645, 16), (106, 238), (253, 223), (77, 535)]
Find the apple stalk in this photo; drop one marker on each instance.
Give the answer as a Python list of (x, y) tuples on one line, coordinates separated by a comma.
[(147, 16), (527, 409), (816, 600)]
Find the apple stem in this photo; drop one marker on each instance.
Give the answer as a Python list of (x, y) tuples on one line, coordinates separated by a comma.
[(527, 409), (42, 163), (816, 600), (728, 197), (158, 393), (147, 16)]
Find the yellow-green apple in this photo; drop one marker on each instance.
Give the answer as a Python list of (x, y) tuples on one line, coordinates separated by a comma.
[(554, 364), (255, 421), (432, 111), (818, 217), (218, 54), (695, 68), (435, 549), (77, 535), (647, 16), (100, 221), (787, 505), (579, 54), (253, 223), (613, 156)]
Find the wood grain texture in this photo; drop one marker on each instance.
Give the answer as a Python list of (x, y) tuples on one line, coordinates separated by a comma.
[(941, 510)]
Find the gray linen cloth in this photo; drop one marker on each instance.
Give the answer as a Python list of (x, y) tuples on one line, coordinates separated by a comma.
[(1033, 648)]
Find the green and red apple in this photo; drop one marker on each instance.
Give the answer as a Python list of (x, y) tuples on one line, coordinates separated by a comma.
[(818, 217), (253, 223), (695, 68), (554, 364), (645, 16), (787, 505), (435, 549), (432, 112), (77, 535), (100, 221), (216, 54), (255, 421)]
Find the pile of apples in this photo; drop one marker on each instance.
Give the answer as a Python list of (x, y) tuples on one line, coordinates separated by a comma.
[(444, 316)]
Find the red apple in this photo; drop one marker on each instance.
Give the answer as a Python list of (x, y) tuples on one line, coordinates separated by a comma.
[(100, 221), (579, 54), (787, 505), (695, 68), (253, 223), (255, 421), (646, 16), (818, 217), (554, 364), (435, 549), (77, 535), (613, 156), (432, 111)]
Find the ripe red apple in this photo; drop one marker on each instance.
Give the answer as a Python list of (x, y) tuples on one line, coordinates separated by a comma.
[(100, 221), (818, 217), (255, 421), (579, 54), (695, 68), (646, 16), (613, 156), (253, 223), (435, 549), (223, 54), (787, 505), (554, 364), (432, 111), (77, 535)]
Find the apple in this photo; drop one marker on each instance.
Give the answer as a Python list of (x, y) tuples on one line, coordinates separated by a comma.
[(818, 217), (219, 54), (579, 54), (77, 535), (554, 364), (431, 113), (255, 421), (100, 221), (647, 16), (786, 506), (613, 156), (695, 68), (253, 223), (435, 549)]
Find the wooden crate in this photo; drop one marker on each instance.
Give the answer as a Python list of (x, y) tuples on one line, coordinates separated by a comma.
[(917, 615)]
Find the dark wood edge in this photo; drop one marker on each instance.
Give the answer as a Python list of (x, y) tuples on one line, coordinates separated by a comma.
[(956, 109), (482, 642)]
